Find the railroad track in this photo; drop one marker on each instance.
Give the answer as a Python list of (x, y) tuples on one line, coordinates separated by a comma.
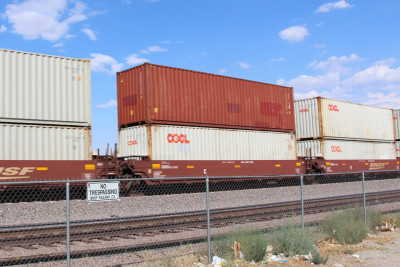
[(29, 236)]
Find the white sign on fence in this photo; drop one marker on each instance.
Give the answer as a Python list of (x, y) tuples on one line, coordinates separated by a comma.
[(106, 191)]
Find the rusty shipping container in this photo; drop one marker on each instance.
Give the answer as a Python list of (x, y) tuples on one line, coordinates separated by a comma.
[(345, 149), (44, 89), (39, 142), (164, 95), (327, 118), (396, 118), (170, 142)]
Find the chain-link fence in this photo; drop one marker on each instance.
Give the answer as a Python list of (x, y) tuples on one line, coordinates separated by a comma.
[(126, 222)]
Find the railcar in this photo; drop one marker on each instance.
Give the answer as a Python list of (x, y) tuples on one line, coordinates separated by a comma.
[(170, 120)]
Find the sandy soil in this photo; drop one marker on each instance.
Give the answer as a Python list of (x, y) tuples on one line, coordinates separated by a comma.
[(380, 249)]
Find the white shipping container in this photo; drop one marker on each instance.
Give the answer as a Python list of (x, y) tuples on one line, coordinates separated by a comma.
[(165, 142), (321, 117), (345, 149), (43, 89), (398, 149), (38, 142), (396, 118)]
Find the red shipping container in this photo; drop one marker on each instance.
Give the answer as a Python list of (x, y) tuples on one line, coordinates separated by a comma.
[(164, 95)]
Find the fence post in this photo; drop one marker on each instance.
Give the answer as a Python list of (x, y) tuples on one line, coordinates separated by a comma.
[(208, 220), (68, 220), (364, 200), (302, 205)]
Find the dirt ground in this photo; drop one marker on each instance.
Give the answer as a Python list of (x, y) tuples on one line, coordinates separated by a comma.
[(380, 249)]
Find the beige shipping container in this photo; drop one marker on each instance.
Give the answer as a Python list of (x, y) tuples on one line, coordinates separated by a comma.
[(327, 118), (396, 118), (168, 142), (345, 149), (43, 89), (38, 142)]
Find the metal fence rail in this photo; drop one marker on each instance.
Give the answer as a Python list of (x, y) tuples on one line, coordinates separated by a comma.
[(40, 223)]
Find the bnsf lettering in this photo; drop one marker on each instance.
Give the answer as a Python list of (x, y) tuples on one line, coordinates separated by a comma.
[(336, 149), (175, 138), (376, 166), (333, 108), (131, 143), (15, 170), (303, 110)]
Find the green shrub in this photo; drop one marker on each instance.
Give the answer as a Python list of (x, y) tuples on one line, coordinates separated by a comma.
[(348, 226), (374, 218), (289, 240), (348, 251), (317, 258), (252, 243)]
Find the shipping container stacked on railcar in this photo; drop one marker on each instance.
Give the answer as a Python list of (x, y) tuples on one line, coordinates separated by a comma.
[(178, 122), (45, 117), (396, 118), (347, 136)]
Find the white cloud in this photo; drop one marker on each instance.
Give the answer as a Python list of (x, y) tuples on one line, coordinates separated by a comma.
[(222, 71), (69, 36), (376, 84), (341, 4), (89, 33), (334, 63), (3, 28), (244, 65), (309, 82), (153, 49), (309, 94), (58, 45), (294, 33), (279, 59), (134, 59), (377, 76), (281, 81), (111, 103), (104, 63), (386, 62), (319, 45), (46, 19), (320, 24), (391, 100)]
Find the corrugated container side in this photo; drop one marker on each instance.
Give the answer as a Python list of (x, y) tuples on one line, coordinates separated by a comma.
[(396, 118), (345, 149), (168, 142), (398, 149), (307, 118), (349, 120), (43, 89), (38, 142), (343, 120), (164, 95)]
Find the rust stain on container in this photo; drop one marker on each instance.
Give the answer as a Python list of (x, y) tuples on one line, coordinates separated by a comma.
[(166, 95)]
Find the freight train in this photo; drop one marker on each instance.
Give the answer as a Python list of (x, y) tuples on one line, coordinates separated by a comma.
[(179, 123)]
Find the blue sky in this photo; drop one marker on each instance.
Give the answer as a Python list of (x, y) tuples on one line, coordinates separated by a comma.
[(340, 49)]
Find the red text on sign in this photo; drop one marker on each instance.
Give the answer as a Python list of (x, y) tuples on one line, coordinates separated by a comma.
[(336, 149), (333, 108), (175, 138)]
